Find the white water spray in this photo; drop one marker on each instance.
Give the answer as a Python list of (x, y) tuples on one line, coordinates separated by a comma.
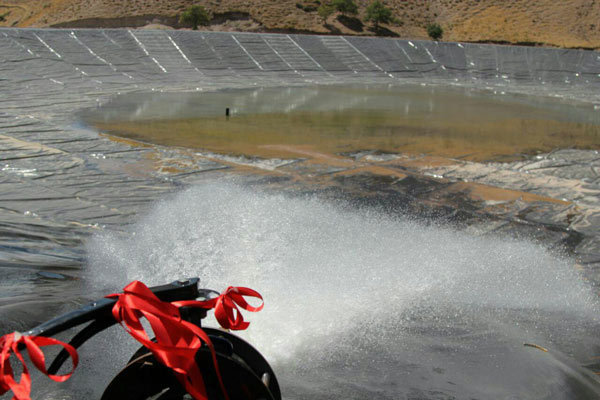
[(345, 287)]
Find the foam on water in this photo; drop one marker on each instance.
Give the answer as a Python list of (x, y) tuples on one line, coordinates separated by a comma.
[(356, 291)]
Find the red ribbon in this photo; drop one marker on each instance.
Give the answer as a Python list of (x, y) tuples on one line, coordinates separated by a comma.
[(177, 340), (10, 343), (226, 311)]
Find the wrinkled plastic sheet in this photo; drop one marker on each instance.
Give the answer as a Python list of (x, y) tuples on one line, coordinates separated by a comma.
[(47, 75)]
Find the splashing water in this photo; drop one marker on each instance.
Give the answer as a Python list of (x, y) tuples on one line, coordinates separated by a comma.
[(363, 304)]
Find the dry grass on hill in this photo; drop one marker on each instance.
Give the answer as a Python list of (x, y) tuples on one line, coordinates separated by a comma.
[(564, 23)]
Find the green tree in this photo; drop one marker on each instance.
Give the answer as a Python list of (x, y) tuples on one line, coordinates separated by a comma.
[(345, 6), (378, 13), (325, 10), (435, 31), (195, 15)]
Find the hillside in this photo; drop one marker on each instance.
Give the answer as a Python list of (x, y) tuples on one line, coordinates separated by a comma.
[(565, 23)]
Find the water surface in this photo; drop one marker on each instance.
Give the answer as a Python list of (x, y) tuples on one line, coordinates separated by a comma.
[(441, 121)]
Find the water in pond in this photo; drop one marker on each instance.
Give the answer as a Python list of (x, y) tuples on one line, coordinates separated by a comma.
[(268, 122), (360, 302)]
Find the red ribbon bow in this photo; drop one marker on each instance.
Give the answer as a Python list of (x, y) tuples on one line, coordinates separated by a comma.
[(10, 343), (226, 311), (177, 340)]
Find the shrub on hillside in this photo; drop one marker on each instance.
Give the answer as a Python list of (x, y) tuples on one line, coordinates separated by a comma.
[(325, 10), (378, 13), (435, 31), (345, 6), (194, 16)]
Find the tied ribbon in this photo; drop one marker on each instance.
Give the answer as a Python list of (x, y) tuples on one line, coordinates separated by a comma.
[(10, 343), (177, 340), (226, 311)]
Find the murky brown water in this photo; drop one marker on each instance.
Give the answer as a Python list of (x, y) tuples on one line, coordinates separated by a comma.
[(273, 122)]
